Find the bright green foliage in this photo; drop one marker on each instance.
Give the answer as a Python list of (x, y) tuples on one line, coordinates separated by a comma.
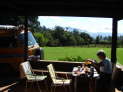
[(42, 41), (73, 59)]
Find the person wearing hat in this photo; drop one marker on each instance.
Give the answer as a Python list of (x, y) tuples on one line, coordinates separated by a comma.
[(104, 67)]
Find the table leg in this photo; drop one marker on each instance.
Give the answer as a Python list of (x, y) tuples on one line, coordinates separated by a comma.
[(75, 84), (90, 88)]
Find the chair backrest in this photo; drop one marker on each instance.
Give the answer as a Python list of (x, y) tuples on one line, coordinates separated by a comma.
[(26, 68), (52, 72)]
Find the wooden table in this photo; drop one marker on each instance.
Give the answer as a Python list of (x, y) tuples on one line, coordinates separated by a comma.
[(95, 75)]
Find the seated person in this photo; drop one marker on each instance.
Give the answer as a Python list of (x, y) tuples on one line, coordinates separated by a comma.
[(104, 68)]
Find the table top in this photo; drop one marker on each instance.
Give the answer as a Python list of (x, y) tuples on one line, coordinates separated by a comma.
[(78, 72)]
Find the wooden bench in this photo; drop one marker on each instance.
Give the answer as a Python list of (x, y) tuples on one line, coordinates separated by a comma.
[(5, 88)]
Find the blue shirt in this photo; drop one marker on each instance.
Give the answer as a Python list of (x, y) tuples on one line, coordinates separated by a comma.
[(106, 66)]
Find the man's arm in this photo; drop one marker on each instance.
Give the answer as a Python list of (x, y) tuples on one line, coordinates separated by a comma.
[(95, 64)]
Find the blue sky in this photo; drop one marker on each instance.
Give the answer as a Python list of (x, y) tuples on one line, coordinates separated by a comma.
[(84, 23)]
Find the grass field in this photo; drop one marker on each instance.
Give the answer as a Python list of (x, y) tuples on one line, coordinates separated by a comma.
[(55, 53)]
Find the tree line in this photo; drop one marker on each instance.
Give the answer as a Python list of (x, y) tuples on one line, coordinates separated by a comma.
[(60, 36)]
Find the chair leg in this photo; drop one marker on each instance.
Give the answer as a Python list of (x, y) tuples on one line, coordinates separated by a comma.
[(45, 82), (38, 87), (54, 89), (26, 86), (51, 88), (70, 89), (33, 87), (64, 88)]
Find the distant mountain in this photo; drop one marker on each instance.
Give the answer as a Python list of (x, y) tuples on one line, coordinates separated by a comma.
[(103, 34), (93, 34)]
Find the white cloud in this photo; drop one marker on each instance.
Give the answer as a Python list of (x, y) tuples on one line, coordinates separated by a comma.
[(84, 23), (120, 26)]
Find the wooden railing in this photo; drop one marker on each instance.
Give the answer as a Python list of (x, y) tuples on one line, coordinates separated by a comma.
[(63, 66)]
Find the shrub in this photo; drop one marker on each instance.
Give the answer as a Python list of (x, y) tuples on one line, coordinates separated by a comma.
[(74, 59)]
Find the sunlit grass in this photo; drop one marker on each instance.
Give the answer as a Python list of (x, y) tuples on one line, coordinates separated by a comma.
[(56, 53)]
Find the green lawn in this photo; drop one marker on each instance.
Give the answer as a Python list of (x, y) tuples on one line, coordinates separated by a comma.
[(55, 53)]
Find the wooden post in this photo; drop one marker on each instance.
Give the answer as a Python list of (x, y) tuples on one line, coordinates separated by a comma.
[(26, 39), (114, 41)]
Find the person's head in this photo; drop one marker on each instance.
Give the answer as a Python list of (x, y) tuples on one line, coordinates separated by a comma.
[(101, 54)]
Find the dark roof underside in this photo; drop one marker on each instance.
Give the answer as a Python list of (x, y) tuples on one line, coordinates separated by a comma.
[(88, 8)]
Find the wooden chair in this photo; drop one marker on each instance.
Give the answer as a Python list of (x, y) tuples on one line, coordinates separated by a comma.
[(56, 81), (26, 72)]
